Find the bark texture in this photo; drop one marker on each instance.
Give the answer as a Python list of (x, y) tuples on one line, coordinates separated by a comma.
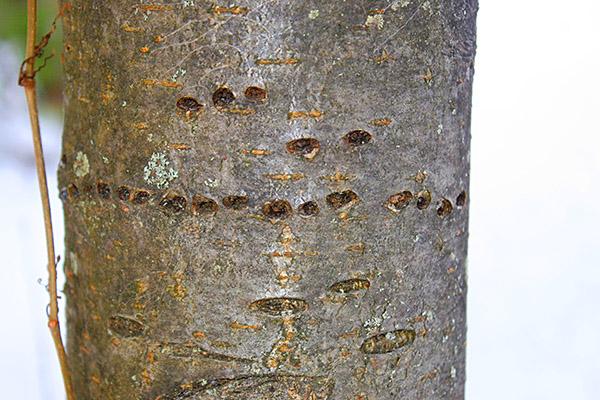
[(267, 200)]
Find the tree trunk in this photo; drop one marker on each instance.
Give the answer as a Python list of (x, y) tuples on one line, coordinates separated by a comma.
[(267, 200)]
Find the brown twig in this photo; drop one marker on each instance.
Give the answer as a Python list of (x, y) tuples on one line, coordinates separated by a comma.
[(27, 80)]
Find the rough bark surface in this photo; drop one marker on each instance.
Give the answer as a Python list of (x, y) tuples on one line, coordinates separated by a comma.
[(267, 199)]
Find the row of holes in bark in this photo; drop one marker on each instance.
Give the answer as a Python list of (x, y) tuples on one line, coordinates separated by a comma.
[(223, 97), (399, 201), (275, 209)]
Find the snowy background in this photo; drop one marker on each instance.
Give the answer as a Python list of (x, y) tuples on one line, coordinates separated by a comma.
[(534, 262)]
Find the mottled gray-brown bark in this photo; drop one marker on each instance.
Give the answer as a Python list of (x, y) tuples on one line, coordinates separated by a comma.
[(267, 200)]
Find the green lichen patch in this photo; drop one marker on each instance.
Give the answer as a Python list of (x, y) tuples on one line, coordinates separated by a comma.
[(81, 166), (158, 171)]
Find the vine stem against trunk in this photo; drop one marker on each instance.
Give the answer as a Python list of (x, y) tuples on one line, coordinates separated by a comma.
[(27, 80)]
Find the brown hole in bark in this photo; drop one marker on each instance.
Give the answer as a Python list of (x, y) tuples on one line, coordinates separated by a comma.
[(63, 194), (141, 197), (350, 285), (235, 202), (357, 137), (399, 201), (223, 97), (444, 208), (388, 342), (189, 104), (173, 203), (423, 199), (277, 306), (202, 205), (73, 191), (337, 200), (256, 94), (123, 193), (277, 209), (308, 209), (103, 190), (304, 147), (125, 326), (461, 199)]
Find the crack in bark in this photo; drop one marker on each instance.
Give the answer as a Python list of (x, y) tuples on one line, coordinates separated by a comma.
[(191, 350), (250, 387)]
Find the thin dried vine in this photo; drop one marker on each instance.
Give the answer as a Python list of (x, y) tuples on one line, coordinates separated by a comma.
[(34, 50)]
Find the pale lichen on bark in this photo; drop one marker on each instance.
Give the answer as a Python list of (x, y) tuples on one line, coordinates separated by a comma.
[(305, 233)]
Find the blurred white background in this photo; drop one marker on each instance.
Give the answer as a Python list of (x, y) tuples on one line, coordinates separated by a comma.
[(534, 262)]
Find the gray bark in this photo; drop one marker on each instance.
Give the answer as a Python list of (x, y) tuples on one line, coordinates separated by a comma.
[(267, 200)]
